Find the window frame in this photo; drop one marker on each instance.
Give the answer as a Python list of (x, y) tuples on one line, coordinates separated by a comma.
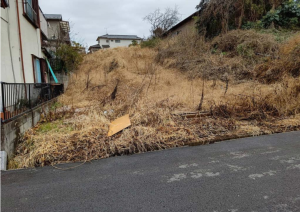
[(33, 69), (4, 3), (117, 41), (25, 14)]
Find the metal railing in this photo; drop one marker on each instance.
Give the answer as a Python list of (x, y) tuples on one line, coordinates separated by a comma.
[(19, 98)]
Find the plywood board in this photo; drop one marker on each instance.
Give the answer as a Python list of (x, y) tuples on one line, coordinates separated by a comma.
[(118, 125)]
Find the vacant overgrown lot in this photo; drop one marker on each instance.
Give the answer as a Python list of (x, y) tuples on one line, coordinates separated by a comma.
[(244, 83)]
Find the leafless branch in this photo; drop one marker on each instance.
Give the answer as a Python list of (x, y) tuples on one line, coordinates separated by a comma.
[(161, 22)]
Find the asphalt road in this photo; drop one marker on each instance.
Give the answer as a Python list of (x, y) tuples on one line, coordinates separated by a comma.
[(251, 174)]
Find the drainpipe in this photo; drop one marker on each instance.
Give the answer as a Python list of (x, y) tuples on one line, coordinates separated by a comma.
[(20, 37)]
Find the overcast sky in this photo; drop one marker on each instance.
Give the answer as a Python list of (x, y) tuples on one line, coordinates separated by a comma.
[(89, 18)]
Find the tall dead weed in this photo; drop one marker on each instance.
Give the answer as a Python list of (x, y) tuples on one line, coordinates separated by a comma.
[(153, 87)]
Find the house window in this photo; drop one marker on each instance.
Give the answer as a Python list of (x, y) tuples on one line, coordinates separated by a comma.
[(118, 41), (4, 3), (107, 41), (31, 11), (37, 69)]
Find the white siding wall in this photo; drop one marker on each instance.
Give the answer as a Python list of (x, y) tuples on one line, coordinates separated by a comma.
[(10, 47), (31, 44), (113, 44), (44, 24)]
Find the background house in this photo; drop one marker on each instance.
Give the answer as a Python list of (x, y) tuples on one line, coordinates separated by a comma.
[(183, 26), (81, 50), (113, 41), (94, 48), (58, 31)]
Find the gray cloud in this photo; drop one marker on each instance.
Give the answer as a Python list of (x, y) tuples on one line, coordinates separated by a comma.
[(89, 18)]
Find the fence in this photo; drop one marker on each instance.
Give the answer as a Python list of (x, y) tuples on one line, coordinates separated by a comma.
[(19, 98)]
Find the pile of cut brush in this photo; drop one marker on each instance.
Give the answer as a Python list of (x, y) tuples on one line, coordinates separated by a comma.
[(174, 96)]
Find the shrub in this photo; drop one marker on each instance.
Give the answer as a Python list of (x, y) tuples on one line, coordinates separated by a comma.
[(287, 15), (288, 63), (150, 43), (70, 55), (253, 25), (133, 43), (220, 16), (246, 43)]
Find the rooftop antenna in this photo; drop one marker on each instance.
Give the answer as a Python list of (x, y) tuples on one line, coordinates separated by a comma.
[(106, 30)]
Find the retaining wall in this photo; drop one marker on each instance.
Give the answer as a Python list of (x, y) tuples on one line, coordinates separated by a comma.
[(12, 131), (62, 78)]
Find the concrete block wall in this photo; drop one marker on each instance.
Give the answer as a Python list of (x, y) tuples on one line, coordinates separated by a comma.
[(11, 132), (62, 78)]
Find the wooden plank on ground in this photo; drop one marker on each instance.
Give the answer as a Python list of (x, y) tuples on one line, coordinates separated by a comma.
[(118, 125)]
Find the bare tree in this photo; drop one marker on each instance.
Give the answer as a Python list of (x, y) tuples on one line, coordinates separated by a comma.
[(161, 22)]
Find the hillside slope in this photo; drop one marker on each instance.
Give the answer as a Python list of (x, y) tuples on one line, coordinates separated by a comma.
[(155, 87)]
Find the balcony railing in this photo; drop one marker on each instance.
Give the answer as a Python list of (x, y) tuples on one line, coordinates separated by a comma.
[(19, 98), (30, 12)]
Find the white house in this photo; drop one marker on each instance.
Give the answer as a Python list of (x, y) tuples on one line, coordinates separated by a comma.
[(25, 86), (22, 57), (113, 41)]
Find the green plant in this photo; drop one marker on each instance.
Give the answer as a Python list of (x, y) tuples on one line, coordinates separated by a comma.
[(150, 43), (70, 55), (55, 127), (219, 16), (271, 17), (287, 15), (56, 105), (47, 127), (253, 25), (133, 43)]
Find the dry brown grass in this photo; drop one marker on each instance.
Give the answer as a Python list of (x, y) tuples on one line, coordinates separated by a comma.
[(151, 92), (287, 64), (191, 54), (247, 43)]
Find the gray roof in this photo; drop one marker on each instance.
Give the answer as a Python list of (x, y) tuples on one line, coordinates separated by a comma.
[(53, 16), (121, 37), (95, 46)]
